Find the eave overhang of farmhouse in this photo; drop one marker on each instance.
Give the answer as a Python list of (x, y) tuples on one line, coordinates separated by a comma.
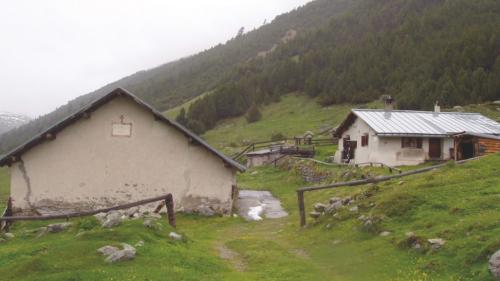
[(400, 123), (86, 111)]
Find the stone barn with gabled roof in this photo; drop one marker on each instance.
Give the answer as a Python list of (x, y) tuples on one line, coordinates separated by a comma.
[(117, 150)]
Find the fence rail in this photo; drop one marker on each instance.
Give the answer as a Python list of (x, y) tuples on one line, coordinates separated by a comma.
[(168, 199), (301, 191), (266, 144)]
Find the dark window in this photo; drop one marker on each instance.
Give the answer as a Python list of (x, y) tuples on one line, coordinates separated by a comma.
[(364, 140), (411, 142)]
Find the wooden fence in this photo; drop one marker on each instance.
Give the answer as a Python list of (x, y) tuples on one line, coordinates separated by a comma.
[(267, 144), (301, 191), (168, 200)]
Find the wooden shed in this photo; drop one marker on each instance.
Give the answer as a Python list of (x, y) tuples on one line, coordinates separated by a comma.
[(468, 145)]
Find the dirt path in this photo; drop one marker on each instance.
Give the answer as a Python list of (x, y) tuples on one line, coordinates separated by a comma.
[(233, 257)]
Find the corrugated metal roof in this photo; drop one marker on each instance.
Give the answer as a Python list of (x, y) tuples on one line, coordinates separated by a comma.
[(427, 123)]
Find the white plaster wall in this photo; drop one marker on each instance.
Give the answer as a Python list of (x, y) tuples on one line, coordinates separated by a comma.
[(356, 131), (85, 165)]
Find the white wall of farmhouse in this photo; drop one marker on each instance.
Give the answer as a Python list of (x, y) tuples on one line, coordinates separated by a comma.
[(86, 166), (387, 150)]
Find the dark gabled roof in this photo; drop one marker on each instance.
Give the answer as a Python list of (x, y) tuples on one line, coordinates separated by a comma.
[(16, 153)]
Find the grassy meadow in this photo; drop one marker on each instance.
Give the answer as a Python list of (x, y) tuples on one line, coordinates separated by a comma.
[(457, 203)]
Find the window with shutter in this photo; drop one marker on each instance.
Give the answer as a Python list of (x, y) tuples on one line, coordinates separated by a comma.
[(411, 142), (364, 140)]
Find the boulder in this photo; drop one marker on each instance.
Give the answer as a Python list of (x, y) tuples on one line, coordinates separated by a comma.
[(436, 243), (8, 236), (139, 244), (128, 253), (335, 199), (41, 231), (58, 227), (175, 236), (131, 212), (494, 264), (113, 218), (101, 217), (385, 233), (319, 207), (107, 250), (354, 209), (346, 201), (206, 211), (315, 214), (497, 102), (149, 223), (336, 205)]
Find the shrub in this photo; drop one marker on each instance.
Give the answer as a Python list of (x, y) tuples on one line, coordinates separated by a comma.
[(397, 205), (277, 137), (88, 223), (253, 114)]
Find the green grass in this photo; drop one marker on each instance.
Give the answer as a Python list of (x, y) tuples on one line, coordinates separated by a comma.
[(4, 187), (457, 203), (490, 110), (293, 115), (173, 112)]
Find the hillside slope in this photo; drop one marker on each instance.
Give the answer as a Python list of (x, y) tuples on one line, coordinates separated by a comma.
[(417, 51)]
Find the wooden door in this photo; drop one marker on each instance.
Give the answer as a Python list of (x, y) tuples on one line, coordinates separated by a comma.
[(434, 148)]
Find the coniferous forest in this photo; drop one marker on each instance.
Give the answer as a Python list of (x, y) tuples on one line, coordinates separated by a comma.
[(417, 51)]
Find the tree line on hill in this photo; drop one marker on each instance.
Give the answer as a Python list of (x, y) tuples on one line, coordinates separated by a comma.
[(419, 51)]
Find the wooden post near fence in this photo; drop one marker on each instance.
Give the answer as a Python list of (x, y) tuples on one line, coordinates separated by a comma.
[(169, 203), (302, 210)]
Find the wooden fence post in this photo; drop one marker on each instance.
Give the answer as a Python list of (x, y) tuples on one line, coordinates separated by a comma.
[(169, 203), (302, 211), (8, 213)]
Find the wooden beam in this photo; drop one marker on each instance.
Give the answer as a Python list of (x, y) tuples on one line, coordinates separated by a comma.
[(168, 200)]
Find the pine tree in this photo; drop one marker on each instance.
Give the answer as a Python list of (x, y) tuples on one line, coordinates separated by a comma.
[(181, 118), (253, 114)]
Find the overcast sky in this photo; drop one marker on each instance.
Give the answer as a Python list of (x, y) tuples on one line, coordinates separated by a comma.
[(53, 51)]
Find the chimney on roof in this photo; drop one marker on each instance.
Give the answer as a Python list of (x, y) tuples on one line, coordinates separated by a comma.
[(437, 108), (389, 103)]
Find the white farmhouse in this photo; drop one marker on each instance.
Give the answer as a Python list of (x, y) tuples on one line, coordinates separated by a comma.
[(118, 150), (400, 137)]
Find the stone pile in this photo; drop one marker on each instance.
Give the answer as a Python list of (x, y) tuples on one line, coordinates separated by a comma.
[(333, 206), (113, 254), (115, 218)]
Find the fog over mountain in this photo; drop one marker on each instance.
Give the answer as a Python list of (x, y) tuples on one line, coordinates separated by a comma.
[(10, 121)]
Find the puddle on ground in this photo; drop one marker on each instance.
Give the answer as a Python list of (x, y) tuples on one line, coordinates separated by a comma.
[(256, 205)]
